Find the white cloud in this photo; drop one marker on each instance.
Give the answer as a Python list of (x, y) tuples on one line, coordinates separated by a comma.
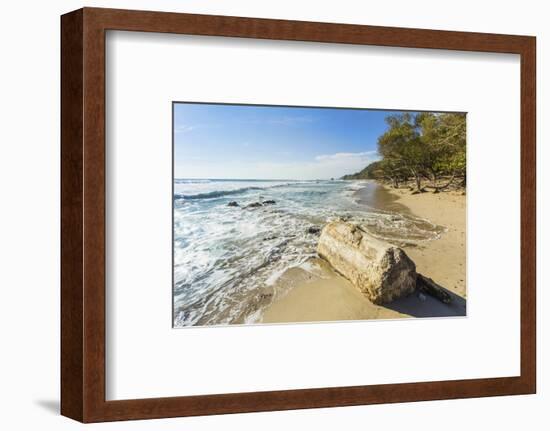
[(320, 167), (183, 128), (345, 157)]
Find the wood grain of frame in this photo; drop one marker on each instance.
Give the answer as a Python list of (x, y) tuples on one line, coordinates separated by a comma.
[(83, 214)]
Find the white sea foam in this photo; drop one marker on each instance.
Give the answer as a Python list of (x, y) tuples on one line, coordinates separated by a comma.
[(227, 259), (314, 269)]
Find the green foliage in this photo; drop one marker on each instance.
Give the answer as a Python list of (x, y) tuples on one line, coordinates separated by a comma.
[(370, 172), (422, 146)]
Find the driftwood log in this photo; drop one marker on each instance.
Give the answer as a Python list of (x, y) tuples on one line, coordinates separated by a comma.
[(381, 271)]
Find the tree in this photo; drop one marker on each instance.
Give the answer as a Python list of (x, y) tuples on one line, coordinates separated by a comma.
[(444, 136), (421, 146), (391, 170), (401, 146)]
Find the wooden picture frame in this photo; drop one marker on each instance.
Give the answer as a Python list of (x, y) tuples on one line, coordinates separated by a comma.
[(83, 214)]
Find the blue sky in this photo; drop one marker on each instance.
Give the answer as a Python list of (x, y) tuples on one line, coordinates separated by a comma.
[(264, 142)]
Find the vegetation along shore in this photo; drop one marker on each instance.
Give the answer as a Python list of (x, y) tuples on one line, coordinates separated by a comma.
[(372, 227), (421, 174)]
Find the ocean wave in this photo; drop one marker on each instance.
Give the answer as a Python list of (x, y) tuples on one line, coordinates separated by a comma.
[(191, 181), (228, 263), (216, 193), (228, 192), (228, 276)]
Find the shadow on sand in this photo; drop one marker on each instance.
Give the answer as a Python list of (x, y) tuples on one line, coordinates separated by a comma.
[(428, 306)]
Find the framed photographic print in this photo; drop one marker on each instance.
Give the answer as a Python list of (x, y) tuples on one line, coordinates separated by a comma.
[(265, 215)]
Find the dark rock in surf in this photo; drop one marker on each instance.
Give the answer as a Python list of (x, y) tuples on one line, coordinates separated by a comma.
[(314, 230), (269, 202), (254, 205), (233, 204)]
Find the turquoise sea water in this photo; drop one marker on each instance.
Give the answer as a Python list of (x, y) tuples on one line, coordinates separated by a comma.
[(227, 258)]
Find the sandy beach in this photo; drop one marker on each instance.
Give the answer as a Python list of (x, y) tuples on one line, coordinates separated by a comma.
[(320, 294)]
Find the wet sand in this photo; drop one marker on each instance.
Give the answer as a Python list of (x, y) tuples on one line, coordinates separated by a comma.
[(323, 295), (443, 260)]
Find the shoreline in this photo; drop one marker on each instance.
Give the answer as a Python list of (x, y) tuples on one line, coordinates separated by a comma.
[(318, 293), (443, 259)]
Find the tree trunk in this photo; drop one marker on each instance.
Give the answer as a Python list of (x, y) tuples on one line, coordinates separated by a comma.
[(437, 188), (418, 181), (395, 183), (443, 187)]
